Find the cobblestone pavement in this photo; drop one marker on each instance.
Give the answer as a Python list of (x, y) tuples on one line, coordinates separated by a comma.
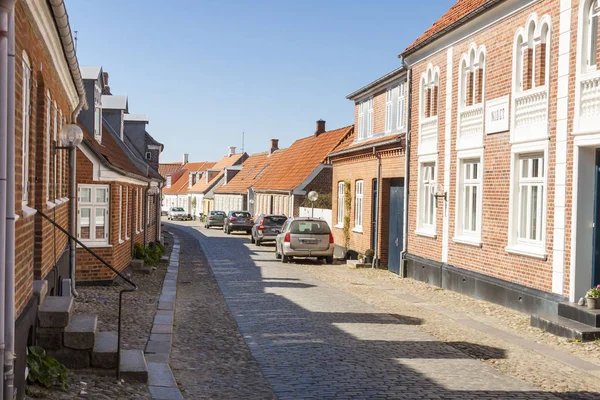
[(209, 357), (312, 340)]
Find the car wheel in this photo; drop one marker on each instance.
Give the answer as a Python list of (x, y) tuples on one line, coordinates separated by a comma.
[(329, 260), (285, 259), (277, 255), (258, 243)]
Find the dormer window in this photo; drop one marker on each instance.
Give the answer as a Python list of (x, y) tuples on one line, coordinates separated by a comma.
[(122, 125), (98, 112), (148, 156), (169, 181), (394, 108)]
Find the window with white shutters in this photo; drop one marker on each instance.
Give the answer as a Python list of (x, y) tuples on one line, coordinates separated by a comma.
[(358, 206), (92, 210), (340, 210)]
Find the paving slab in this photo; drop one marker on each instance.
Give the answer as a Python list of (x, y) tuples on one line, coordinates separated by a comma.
[(161, 337), (157, 358), (159, 374), (155, 347), (166, 305), (158, 328)]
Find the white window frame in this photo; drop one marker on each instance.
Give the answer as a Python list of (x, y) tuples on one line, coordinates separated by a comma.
[(389, 95), (148, 155), (55, 164), (61, 160), (120, 214), (426, 224), (517, 245), (93, 206), (592, 11), (340, 210), (98, 112), (401, 105), (26, 96), (462, 235), (358, 205), (126, 213), (370, 118), (48, 142), (141, 209)]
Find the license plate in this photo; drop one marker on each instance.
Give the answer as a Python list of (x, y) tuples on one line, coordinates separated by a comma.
[(309, 241)]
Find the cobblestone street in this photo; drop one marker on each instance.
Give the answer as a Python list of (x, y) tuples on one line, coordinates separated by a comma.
[(308, 338)]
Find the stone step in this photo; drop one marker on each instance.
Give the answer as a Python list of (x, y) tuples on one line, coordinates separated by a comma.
[(105, 353), (565, 327), (72, 359), (132, 366), (80, 334), (40, 290), (55, 311), (580, 313)]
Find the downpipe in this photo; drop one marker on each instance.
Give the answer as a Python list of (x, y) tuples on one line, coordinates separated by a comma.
[(376, 255), (403, 260), (9, 353)]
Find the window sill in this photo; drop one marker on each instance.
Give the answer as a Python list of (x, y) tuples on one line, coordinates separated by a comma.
[(528, 251), (28, 211), (64, 199), (95, 245), (357, 230), (50, 205), (121, 241), (58, 202), (339, 226), (468, 240), (428, 234)]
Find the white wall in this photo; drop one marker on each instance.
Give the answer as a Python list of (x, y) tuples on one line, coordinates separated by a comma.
[(326, 214), (229, 202)]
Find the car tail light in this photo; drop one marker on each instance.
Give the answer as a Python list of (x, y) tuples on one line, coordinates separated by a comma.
[(261, 227), (232, 219), (287, 238), (330, 238), (210, 217)]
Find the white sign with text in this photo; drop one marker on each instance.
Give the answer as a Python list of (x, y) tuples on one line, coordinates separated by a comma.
[(496, 115)]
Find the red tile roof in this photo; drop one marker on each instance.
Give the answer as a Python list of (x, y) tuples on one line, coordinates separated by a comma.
[(202, 186), (165, 169), (301, 159), (252, 169), (111, 152), (180, 179), (349, 144), (459, 11)]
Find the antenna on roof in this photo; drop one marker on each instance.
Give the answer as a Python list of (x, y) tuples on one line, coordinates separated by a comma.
[(242, 142), (76, 32)]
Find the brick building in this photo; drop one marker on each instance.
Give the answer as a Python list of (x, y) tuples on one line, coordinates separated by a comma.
[(43, 92), (236, 192), (115, 210), (503, 152), (368, 173), (283, 187)]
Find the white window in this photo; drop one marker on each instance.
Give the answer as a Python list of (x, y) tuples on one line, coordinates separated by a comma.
[(141, 209), (98, 112), (531, 191), (400, 106), (93, 206), (365, 119), (26, 117), (126, 213), (60, 160), (427, 204), (120, 214), (122, 125), (358, 206), (340, 210), (148, 155), (48, 143), (469, 199), (591, 38), (389, 103), (169, 181)]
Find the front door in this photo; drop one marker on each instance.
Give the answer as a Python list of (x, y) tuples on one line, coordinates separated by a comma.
[(396, 219), (596, 253), (374, 205)]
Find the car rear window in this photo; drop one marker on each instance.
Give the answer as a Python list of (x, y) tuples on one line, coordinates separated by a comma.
[(177, 209), (240, 214), (219, 213), (275, 220), (314, 227)]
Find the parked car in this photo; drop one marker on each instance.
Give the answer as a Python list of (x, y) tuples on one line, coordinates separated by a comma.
[(238, 221), (304, 237), (214, 218), (267, 227), (177, 213)]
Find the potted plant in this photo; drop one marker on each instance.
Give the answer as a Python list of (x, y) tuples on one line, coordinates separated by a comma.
[(361, 258), (369, 256), (592, 297)]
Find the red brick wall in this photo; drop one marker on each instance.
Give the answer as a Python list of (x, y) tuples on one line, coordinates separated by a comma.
[(491, 259), (34, 252)]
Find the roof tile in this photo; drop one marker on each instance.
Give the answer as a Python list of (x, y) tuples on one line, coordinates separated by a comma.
[(202, 186), (252, 169)]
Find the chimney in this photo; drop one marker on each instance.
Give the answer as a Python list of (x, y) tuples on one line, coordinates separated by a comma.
[(320, 127), (274, 146), (106, 88), (186, 157), (231, 150)]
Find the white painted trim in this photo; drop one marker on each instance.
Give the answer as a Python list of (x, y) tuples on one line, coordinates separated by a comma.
[(468, 240), (300, 189), (459, 237), (28, 211), (447, 155), (431, 158), (44, 22)]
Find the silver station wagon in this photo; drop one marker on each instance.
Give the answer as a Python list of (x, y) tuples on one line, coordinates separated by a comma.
[(304, 237)]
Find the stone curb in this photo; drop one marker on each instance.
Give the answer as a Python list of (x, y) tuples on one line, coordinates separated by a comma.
[(161, 382)]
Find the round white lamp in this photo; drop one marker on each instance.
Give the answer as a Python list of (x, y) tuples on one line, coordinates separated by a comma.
[(71, 135)]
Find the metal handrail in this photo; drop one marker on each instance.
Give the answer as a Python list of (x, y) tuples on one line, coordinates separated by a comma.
[(133, 288)]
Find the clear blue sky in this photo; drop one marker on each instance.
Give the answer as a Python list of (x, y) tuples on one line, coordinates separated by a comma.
[(204, 71)]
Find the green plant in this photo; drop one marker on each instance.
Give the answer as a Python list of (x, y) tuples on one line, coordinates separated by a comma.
[(323, 201), (593, 293), (151, 254), (347, 211), (369, 253), (45, 370)]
